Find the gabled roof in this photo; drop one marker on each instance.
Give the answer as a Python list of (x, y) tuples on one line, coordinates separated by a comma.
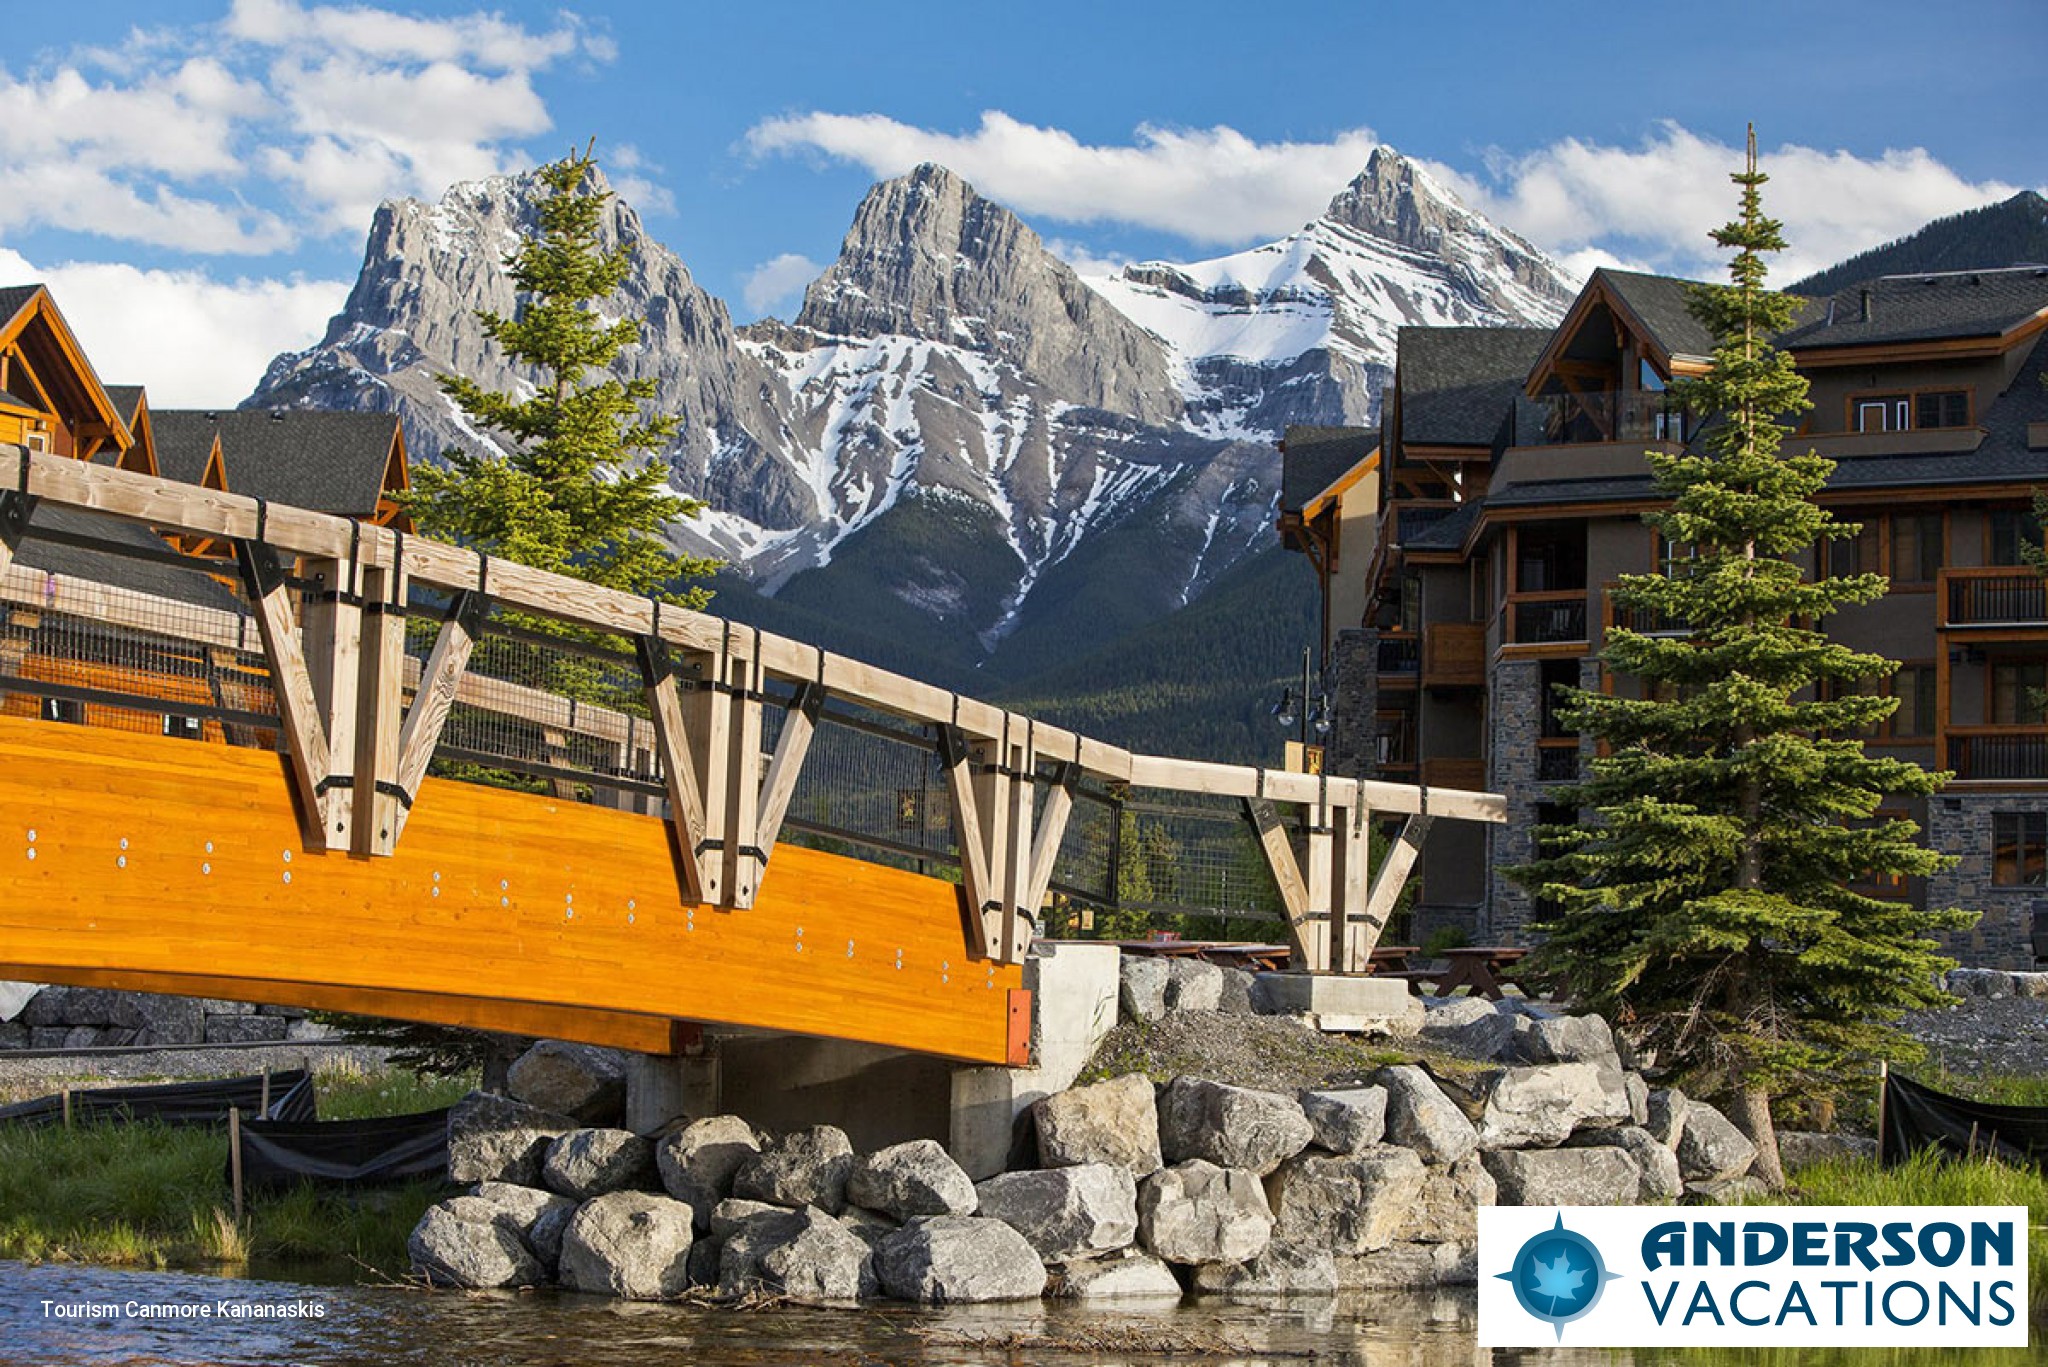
[(1458, 383), (145, 570), (1926, 308), (330, 462), (1314, 458), (13, 298), (27, 312), (1662, 304)]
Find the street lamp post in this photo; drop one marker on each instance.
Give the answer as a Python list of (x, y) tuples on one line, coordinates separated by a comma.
[(1312, 714)]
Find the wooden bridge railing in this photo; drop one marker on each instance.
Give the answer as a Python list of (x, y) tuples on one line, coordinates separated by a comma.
[(360, 718)]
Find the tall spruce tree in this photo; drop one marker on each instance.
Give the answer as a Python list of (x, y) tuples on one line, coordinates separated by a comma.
[(1707, 909), (568, 494)]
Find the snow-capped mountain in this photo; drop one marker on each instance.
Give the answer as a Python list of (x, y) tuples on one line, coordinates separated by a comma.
[(1303, 329), (958, 443)]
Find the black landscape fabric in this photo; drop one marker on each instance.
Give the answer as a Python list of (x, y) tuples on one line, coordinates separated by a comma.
[(389, 1148), (1917, 1117), (173, 1103)]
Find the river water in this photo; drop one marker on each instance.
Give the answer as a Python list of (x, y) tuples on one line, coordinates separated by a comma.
[(191, 1318)]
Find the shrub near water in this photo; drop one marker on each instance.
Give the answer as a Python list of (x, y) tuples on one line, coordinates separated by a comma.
[(150, 1195)]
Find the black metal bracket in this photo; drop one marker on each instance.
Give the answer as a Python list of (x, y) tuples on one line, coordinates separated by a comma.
[(16, 508), (656, 660), (469, 610), (263, 572)]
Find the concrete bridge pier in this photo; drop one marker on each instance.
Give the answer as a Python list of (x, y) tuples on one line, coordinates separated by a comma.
[(883, 1096)]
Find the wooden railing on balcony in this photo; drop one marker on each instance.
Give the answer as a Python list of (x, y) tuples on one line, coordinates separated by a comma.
[(1398, 655), (1557, 759), (1454, 773), (1454, 655), (1993, 596), (1992, 753), (1644, 622), (1547, 618)]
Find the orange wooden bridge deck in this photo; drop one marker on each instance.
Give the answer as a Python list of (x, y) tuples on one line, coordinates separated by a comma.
[(291, 847)]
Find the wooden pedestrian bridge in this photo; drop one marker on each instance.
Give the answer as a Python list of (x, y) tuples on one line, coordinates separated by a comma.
[(256, 752)]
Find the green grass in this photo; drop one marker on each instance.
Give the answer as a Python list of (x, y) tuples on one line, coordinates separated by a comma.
[(152, 1196), (1928, 1179), (2000, 1089)]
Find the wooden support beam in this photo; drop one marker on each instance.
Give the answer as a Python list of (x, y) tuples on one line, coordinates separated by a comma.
[(799, 725), (996, 797), (1019, 914), (1391, 877), (1052, 828), (970, 836), (1316, 933), (298, 707), (440, 680), (380, 716), (679, 770), (708, 713), (1265, 819), (333, 631), (1352, 937), (744, 859)]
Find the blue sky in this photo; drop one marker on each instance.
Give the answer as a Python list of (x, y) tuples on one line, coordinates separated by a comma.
[(195, 176)]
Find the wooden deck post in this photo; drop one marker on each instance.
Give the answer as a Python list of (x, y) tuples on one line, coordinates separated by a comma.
[(333, 626), (298, 706), (380, 718)]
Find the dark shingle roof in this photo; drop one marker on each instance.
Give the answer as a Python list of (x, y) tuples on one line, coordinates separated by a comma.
[(1446, 533), (1916, 308), (126, 398), (12, 297), (329, 462), (1316, 457), (1458, 383), (147, 573), (1662, 303)]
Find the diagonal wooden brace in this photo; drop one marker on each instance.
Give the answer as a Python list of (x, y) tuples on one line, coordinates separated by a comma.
[(970, 833), (779, 786), (298, 706), (679, 768), (1294, 904), (439, 682), (1391, 878)]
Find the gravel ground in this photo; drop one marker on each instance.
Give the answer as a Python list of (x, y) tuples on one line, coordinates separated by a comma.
[(1277, 1053), (2007, 1036)]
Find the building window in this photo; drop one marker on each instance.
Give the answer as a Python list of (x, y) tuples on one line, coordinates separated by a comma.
[(2019, 849), (1916, 548), (2011, 530), (1942, 408), (1862, 553), (64, 710), (1883, 413), (2016, 693), (1913, 686), (182, 728)]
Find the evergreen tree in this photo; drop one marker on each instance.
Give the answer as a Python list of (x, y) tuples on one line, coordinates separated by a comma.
[(1706, 909), (568, 496)]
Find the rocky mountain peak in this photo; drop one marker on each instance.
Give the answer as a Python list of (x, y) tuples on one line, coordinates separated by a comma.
[(1394, 199), (929, 257)]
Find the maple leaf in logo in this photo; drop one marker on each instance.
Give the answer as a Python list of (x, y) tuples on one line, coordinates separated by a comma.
[(1557, 1279)]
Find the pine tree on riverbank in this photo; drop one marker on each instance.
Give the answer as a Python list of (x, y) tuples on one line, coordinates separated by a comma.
[(1706, 907)]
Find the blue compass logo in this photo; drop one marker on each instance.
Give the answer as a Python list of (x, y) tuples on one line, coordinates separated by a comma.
[(1557, 1276)]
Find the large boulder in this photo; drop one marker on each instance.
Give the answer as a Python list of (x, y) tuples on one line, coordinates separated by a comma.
[(1193, 985), (1236, 997), (539, 1216), (1232, 1127), (1660, 1182), (472, 1243), (1539, 1107), (1564, 1039), (958, 1259), (1802, 1148), (1282, 1270), (1196, 1212), (1346, 1204), (1407, 1267), (1141, 991), (574, 1079), (1989, 983), (494, 1139), (1422, 1118), (1128, 1275), (731, 1214), (698, 1162), (1066, 1212), (1565, 1177), (1664, 1116), (914, 1178), (1447, 1209), (1470, 1026), (1106, 1122), (162, 1020), (804, 1255), (631, 1244), (246, 1029), (803, 1168), (1350, 1120), (587, 1163), (1711, 1149)]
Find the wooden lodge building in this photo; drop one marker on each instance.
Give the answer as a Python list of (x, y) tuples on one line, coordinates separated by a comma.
[(1466, 548)]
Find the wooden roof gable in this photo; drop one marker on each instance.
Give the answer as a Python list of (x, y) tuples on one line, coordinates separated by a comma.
[(1605, 301), (44, 364)]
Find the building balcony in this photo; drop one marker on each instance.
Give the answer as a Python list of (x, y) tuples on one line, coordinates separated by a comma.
[(1547, 618), (1999, 596), (1398, 657), (1641, 621), (1603, 416), (1454, 655), (1557, 759), (1991, 754)]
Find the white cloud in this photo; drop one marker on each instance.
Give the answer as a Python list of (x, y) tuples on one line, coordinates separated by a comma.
[(1085, 260), (1656, 202), (484, 40), (1208, 185), (194, 341), (778, 280)]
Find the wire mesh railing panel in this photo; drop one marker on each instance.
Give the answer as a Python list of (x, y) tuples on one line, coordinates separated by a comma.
[(873, 783), (111, 626), (1189, 854), (1085, 869)]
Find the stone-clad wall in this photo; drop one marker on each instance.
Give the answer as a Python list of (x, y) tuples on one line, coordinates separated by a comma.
[(1513, 725), (97, 1017), (1960, 825), (1352, 748)]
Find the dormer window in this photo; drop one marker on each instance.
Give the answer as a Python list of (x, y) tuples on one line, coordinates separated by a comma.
[(1910, 412), (1882, 413), (1942, 408)]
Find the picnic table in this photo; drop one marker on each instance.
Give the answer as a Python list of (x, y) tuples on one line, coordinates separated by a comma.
[(1480, 968)]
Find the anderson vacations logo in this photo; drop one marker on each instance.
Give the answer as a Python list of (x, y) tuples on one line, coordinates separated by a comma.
[(1811, 1276)]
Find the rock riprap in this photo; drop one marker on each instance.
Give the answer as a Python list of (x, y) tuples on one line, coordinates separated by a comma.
[(803, 1168), (1196, 1212), (910, 1179), (474, 1244), (1066, 1213), (630, 1244), (1106, 1122), (958, 1259), (1232, 1127)]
